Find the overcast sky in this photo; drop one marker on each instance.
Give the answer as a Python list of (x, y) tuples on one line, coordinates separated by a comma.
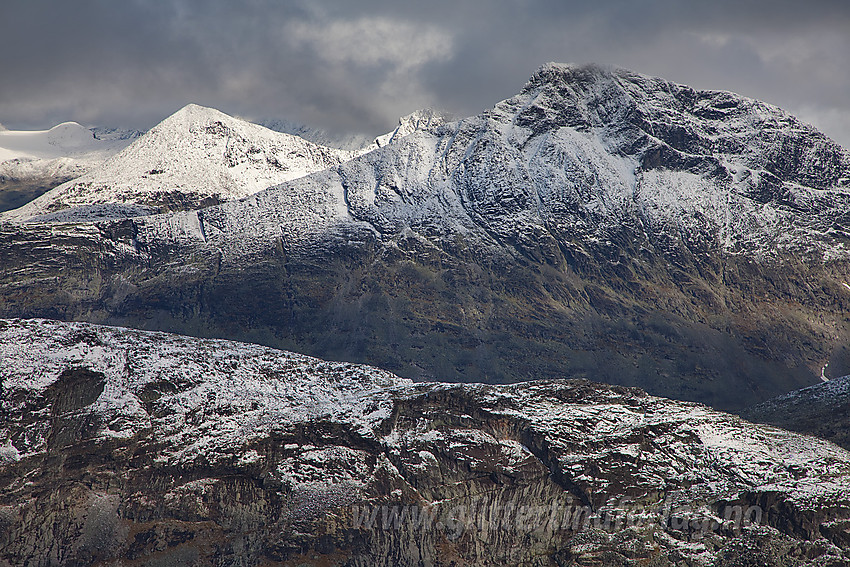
[(356, 66)]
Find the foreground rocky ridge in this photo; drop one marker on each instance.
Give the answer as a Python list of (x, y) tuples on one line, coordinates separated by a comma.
[(135, 448), (600, 224)]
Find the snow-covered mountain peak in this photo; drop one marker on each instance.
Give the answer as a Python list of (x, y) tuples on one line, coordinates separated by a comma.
[(196, 110), (196, 157), (193, 114), (70, 135), (748, 168), (63, 140), (32, 162), (204, 124)]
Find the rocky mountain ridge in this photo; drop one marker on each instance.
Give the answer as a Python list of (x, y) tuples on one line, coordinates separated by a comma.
[(600, 224), (124, 447)]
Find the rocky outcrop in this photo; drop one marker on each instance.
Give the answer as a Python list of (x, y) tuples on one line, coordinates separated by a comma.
[(424, 119), (122, 447), (599, 224)]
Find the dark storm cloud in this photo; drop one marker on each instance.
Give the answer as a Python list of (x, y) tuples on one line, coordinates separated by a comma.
[(358, 65)]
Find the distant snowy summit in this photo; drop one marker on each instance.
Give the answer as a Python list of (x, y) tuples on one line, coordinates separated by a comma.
[(67, 140), (64, 140), (32, 162), (196, 157)]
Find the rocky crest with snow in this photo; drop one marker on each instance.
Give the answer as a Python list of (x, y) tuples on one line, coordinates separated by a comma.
[(600, 223), (419, 120), (123, 447), (425, 119), (196, 157)]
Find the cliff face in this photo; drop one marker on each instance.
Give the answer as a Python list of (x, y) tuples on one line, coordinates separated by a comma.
[(599, 224), (122, 447)]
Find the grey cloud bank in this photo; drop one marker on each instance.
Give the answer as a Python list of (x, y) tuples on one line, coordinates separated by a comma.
[(356, 67)]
